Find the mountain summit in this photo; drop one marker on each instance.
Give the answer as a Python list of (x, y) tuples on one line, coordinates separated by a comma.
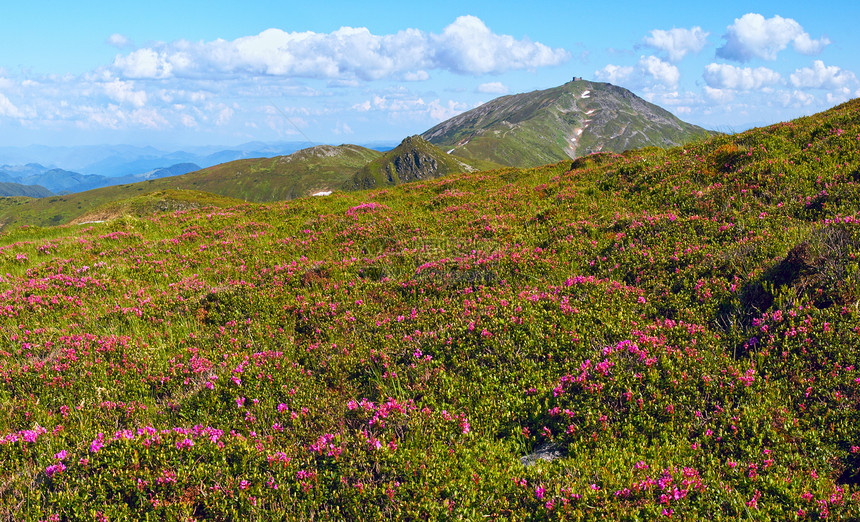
[(574, 119)]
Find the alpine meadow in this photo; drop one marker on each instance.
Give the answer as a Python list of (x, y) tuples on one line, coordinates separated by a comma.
[(284, 261), (662, 332)]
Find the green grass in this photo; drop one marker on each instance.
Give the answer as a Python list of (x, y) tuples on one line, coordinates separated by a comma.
[(679, 324), (303, 173)]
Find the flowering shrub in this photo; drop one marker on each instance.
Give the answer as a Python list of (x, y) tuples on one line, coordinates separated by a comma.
[(679, 327)]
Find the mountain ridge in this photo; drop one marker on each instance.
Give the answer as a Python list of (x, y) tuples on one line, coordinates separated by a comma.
[(415, 159), (564, 122)]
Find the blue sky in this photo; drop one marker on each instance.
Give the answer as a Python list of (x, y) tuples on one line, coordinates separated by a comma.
[(179, 73)]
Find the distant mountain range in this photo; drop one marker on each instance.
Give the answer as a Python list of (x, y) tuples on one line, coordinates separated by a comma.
[(41, 181), (125, 160), (574, 119)]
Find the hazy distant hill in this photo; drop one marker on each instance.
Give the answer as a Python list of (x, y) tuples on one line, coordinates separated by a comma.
[(575, 119), (124, 160), (64, 181), (8, 189)]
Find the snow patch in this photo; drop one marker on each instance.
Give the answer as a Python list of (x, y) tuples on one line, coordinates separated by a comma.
[(591, 111), (585, 94), (322, 193), (450, 151)]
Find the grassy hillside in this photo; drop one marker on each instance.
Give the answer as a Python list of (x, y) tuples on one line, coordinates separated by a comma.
[(568, 121), (413, 160), (317, 169), (305, 172), (8, 189), (662, 333)]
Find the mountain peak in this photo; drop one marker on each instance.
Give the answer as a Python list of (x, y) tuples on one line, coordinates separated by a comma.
[(413, 160), (564, 122)]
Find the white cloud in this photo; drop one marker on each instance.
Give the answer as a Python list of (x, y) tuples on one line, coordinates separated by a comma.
[(362, 107), (662, 72), (677, 42), (417, 76), (342, 128), (119, 41), (725, 76), (147, 117), (123, 92), (224, 116), (493, 88), (800, 98), (188, 120), (144, 63), (754, 36), (841, 96), (615, 74), (719, 95), (7, 108), (439, 112), (821, 76), (648, 71), (467, 46)]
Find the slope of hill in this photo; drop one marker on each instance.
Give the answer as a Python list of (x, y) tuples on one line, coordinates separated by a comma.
[(413, 160), (575, 119), (660, 334), (302, 173), (8, 189), (317, 169)]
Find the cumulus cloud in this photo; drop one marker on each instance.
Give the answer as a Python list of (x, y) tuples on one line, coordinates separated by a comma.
[(821, 76), (676, 43), (662, 72), (754, 36), (493, 88), (615, 74), (648, 71), (467, 46), (796, 98), (726, 76), (123, 92), (145, 63)]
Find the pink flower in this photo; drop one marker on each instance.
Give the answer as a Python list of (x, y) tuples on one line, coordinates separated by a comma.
[(55, 469), (185, 443), (97, 444)]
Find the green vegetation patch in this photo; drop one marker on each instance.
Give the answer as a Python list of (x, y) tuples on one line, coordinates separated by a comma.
[(663, 333)]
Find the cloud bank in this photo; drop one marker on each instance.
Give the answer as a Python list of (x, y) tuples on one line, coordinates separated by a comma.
[(754, 36), (467, 46), (676, 43)]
